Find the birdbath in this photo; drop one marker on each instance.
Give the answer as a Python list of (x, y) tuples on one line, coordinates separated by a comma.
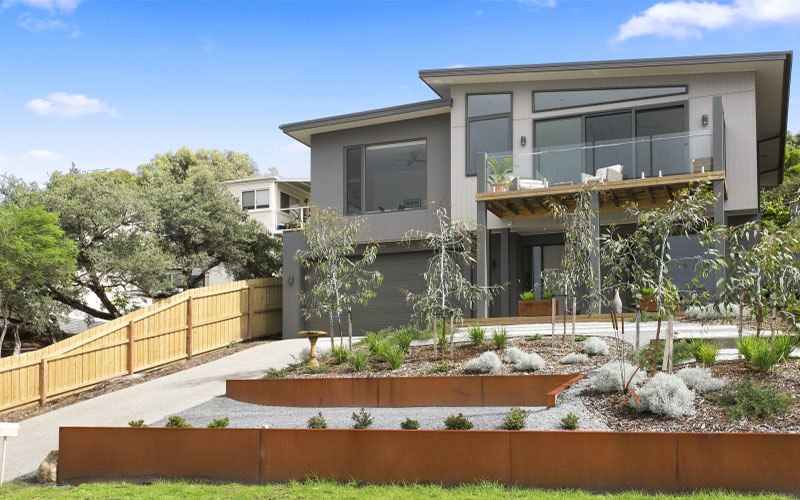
[(312, 336)]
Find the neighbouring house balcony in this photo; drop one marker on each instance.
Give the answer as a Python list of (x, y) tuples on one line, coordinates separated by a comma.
[(290, 219)]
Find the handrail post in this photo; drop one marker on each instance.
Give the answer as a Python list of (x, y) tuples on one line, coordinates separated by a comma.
[(251, 316), (189, 327), (43, 382), (130, 348)]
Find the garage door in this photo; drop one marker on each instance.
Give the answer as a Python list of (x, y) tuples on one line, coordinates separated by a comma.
[(400, 271)]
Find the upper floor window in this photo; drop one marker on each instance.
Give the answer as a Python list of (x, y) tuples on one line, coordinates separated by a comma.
[(386, 177), (254, 199), (488, 126), (559, 99)]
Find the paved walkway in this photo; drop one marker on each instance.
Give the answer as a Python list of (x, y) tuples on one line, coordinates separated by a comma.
[(151, 401)]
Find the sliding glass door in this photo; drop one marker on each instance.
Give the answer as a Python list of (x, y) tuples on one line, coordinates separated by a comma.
[(556, 157)]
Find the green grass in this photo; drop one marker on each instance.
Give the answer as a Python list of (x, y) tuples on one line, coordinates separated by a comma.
[(324, 489)]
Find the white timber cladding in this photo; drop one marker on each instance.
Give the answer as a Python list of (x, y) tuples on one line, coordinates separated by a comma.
[(267, 216), (738, 99)]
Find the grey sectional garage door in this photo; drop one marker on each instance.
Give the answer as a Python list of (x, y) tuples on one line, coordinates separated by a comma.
[(400, 271)]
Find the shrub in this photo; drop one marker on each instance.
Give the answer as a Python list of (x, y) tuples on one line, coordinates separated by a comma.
[(409, 424), (339, 355), (547, 295), (516, 419), (528, 295), (711, 311), (477, 335), (219, 423), (569, 422), (403, 340), (372, 341), (362, 420), (614, 375), (748, 400), (704, 351), (394, 356), (595, 347), (178, 422), (646, 291), (574, 358), (513, 355), (317, 422), (783, 345), (487, 362), (457, 423), (580, 338), (359, 360), (664, 395), (681, 351), (316, 370), (137, 423), (441, 367), (323, 351), (500, 338), (273, 373), (760, 353), (533, 338), (530, 362), (700, 380)]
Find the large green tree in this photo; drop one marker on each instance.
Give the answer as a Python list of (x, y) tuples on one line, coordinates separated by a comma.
[(779, 205), (34, 254)]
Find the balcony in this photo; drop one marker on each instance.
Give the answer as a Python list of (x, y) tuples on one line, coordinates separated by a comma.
[(290, 219)]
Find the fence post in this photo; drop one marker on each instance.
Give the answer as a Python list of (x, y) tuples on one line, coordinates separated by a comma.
[(130, 347), (189, 327), (42, 382), (251, 315)]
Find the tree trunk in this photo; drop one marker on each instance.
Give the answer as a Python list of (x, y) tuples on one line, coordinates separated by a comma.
[(655, 347), (552, 319), (564, 336), (574, 308), (330, 325), (17, 343), (435, 332), (638, 332), (350, 328), (4, 330), (452, 337), (341, 334), (741, 324), (666, 365)]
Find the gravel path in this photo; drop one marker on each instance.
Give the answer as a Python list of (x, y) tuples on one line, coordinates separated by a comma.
[(246, 415)]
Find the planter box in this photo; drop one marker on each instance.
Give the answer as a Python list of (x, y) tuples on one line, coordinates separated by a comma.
[(536, 307), (651, 461), (498, 188), (649, 305)]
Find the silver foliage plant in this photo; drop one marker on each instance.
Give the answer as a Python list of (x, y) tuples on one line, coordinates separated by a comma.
[(664, 394), (574, 358), (513, 355), (612, 377), (700, 380), (595, 347), (487, 362), (523, 361)]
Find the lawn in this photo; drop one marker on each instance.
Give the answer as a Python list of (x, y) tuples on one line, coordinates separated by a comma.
[(317, 489)]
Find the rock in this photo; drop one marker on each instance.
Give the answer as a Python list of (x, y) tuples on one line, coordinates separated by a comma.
[(46, 473)]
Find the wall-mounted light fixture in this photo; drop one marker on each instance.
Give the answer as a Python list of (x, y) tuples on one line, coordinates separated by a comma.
[(522, 141), (291, 279), (705, 120)]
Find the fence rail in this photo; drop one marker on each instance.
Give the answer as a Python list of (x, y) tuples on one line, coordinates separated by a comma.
[(189, 323)]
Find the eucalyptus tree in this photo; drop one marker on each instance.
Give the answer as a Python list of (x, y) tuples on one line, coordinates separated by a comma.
[(447, 291), (337, 263)]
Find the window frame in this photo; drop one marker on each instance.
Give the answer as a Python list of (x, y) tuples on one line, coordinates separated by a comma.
[(255, 199), (533, 95), (468, 121), (363, 147)]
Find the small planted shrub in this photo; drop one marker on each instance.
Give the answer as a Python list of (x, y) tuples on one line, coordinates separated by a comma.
[(574, 358), (580, 338), (547, 295), (362, 420), (681, 351), (704, 351), (595, 347), (359, 360), (274, 373), (137, 423), (530, 362), (394, 356), (316, 370), (372, 342), (664, 395), (317, 422), (403, 340), (487, 362), (533, 338), (441, 367), (751, 401), (457, 423), (647, 292), (614, 375), (500, 338), (569, 422), (339, 355), (528, 295), (219, 423), (516, 419), (513, 355), (178, 422), (477, 335), (700, 380), (409, 424), (783, 345)]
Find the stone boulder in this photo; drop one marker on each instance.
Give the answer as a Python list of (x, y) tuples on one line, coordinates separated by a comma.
[(46, 473)]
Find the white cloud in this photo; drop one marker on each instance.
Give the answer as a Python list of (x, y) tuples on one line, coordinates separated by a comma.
[(539, 3), (36, 24), (683, 19), (41, 155), (51, 5), (64, 104), (477, 13), (456, 66)]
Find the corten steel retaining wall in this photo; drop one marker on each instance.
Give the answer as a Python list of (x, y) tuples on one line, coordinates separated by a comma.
[(547, 459), (399, 392)]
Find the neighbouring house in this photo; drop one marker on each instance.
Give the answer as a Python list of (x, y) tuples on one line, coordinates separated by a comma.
[(647, 127), (280, 204)]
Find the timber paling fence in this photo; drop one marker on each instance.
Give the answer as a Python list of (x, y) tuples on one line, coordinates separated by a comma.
[(189, 323)]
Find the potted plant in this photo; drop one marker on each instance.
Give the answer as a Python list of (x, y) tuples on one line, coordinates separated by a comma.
[(646, 303), (498, 171), (528, 305)]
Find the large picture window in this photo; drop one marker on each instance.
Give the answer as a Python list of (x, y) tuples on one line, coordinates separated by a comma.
[(488, 126), (387, 177)]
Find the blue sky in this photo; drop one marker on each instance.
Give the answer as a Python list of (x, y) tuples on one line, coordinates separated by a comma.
[(108, 84)]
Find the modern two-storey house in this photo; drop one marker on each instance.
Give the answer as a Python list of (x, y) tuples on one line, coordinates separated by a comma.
[(640, 130)]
